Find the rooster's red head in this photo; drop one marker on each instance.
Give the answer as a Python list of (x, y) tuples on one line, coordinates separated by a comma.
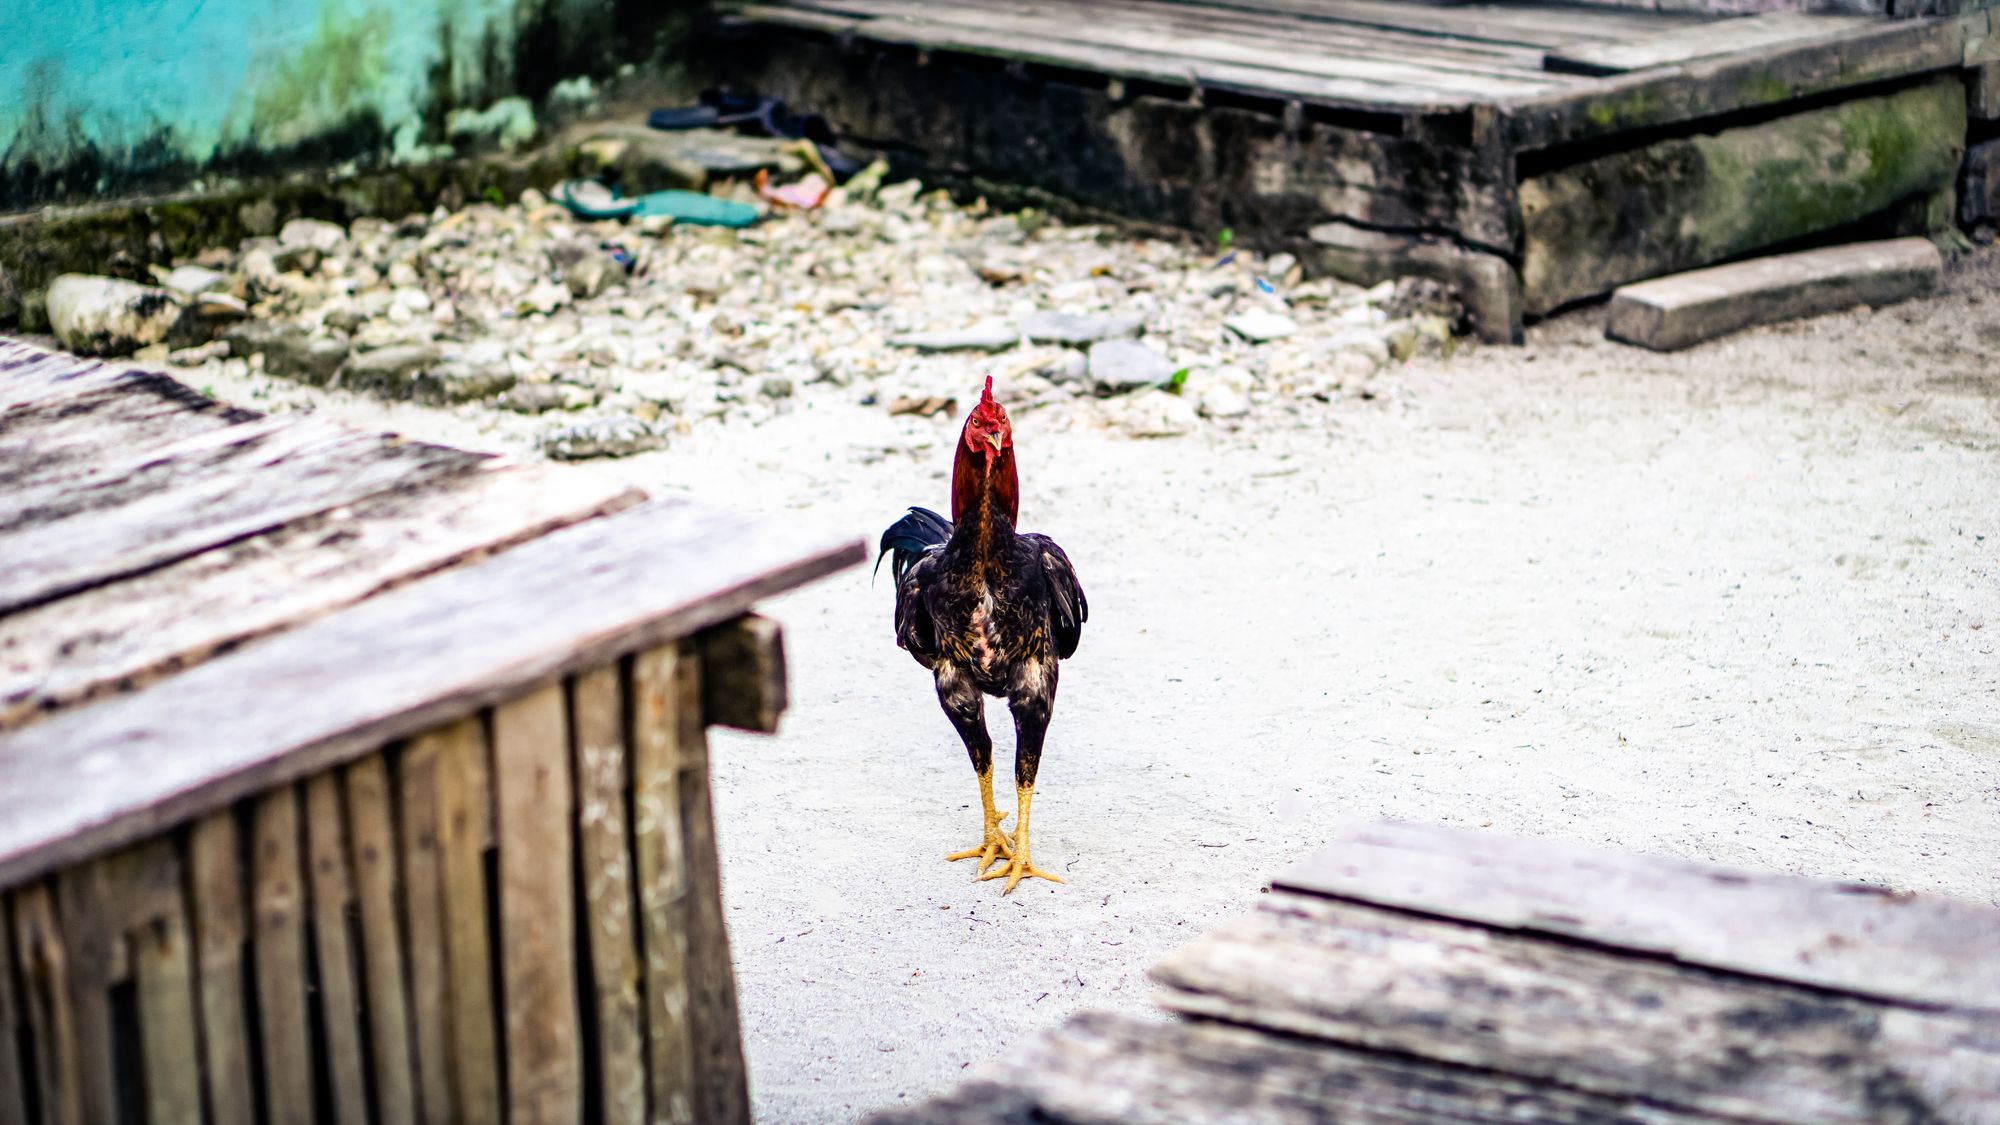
[(985, 460)]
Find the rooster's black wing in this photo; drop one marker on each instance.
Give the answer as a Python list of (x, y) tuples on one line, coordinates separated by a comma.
[(1068, 609)]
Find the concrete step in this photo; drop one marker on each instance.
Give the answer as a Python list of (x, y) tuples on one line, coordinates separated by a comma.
[(1670, 313)]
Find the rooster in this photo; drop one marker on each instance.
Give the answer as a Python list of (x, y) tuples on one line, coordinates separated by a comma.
[(990, 612)]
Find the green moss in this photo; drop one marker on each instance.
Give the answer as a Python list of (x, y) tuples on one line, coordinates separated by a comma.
[(1635, 108), (334, 76), (1762, 88)]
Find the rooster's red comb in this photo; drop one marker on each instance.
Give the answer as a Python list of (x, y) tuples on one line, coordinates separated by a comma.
[(986, 396)]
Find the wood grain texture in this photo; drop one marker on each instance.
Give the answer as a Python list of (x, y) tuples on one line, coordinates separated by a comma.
[(465, 832), (64, 432), (279, 906), (722, 1089), (1106, 1069), (1592, 1019), (661, 680), (94, 944), (743, 674), (532, 822), (1832, 936), (81, 782), (1706, 40), (419, 838), (604, 840), (194, 495), (13, 1082), (132, 632), (332, 893), (169, 1032), (1711, 87), (45, 995), (371, 817), (217, 880)]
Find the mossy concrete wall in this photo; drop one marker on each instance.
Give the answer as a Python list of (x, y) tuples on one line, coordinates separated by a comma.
[(114, 97), (1694, 201)]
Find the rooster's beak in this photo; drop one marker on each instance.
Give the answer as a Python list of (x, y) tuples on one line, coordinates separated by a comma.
[(995, 439)]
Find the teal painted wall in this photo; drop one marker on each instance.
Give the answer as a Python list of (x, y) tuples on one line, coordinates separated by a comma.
[(99, 97)]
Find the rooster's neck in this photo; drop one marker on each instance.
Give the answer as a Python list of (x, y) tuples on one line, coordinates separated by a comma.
[(985, 501)]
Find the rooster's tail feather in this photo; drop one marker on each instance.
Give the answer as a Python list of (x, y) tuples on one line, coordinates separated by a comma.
[(910, 538)]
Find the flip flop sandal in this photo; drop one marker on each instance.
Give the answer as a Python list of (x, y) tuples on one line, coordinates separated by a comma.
[(718, 109), (588, 199)]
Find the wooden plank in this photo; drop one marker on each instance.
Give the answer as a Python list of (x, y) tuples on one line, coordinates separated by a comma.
[(1593, 1019), (1389, 97), (371, 817), (661, 847), (1860, 940), (1708, 88), (216, 877), (1279, 30), (1682, 310), (1715, 196), (423, 908), (86, 780), (1982, 95), (604, 840), (743, 674), (128, 633), (29, 374), (722, 1091), (169, 1033), (94, 940), (465, 832), (279, 906), (1001, 32), (1103, 1067), (196, 495), (532, 822), (332, 890), (1979, 184), (1703, 41), (45, 996), (64, 437), (13, 1083)]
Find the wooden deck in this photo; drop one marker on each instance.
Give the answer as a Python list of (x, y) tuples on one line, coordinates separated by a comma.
[(349, 778), (1444, 128), (1414, 974)]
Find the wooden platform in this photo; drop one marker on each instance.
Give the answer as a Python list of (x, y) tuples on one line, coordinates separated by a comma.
[(348, 778), (1472, 137), (1414, 974)]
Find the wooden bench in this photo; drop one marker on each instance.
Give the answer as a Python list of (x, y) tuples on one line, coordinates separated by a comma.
[(1411, 973), (351, 779)]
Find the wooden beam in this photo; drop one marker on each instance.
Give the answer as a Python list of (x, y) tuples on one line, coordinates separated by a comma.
[(1779, 927), (1689, 42), (85, 781), (371, 823), (465, 833), (420, 840), (604, 841), (219, 883), (743, 674), (279, 905), (662, 682)]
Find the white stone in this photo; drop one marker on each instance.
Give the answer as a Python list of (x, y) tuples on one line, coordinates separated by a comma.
[(95, 315)]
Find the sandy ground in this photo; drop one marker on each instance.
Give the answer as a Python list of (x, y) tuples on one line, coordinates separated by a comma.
[(1736, 605)]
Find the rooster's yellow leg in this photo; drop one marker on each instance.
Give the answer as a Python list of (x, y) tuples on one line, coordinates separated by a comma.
[(1018, 866), (996, 845)]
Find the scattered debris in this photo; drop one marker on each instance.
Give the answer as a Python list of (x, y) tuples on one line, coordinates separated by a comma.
[(107, 316), (601, 437)]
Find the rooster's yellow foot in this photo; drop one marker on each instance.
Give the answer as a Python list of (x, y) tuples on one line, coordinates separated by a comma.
[(1017, 869), (995, 847)]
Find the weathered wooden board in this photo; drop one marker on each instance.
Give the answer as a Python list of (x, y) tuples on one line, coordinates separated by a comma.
[(421, 844), (533, 822), (164, 978), (1690, 202), (1979, 184), (1106, 1069), (371, 824), (1982, 100), (66, 436), (278, 898), (45, 972), (1712, 87), (217, 889), (1485, 282), (721, 1092), (1589, 1018), (465, 834), (604, 841), (660, 679), (1705, 40), (123, 634), (13, 1082), (332, 894), (743, 674), (1830, 936), (195, 495), (84, 781)]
